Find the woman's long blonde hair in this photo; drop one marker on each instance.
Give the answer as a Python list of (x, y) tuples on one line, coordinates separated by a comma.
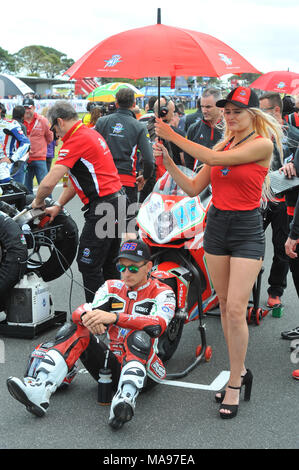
[(268, 127)]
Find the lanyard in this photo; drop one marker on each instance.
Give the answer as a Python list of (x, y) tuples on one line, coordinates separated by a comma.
[(245, 138), (76, 128)]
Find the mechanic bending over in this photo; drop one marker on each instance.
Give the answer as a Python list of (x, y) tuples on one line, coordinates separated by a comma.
[(87, 159)]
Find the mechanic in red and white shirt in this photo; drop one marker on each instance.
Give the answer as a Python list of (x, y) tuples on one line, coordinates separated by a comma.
[(85, 156), (135, 310)]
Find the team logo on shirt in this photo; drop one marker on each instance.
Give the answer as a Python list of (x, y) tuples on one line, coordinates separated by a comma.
[(225, 171), (63, 153), (118, 128), (103, 143)]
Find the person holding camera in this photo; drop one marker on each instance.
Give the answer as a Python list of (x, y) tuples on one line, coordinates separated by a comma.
[(125, 136)]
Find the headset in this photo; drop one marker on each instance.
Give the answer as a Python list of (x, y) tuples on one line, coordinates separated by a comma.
[(164, 109)]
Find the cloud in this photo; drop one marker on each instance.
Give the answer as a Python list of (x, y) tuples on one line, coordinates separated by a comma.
[(265, 32)]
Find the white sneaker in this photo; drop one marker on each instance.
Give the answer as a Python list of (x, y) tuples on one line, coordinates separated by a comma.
[(33, 393)]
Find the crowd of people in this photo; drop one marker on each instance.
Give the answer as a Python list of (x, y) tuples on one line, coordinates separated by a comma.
[(113, 157)]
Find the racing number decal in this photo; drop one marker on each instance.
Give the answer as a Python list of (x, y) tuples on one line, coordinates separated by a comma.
[(186, 213)]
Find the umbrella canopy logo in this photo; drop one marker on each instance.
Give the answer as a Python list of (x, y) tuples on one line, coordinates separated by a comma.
[(225, 59), (115, 59), (281, 85)]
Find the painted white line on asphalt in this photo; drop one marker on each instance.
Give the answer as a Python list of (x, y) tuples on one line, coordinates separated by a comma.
[(217, 384)]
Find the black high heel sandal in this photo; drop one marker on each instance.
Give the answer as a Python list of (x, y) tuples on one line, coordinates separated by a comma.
[(246, 379), (232, 408), (247, 382)]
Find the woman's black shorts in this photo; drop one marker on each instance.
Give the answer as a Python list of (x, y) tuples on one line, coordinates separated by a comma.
[(235, 233)]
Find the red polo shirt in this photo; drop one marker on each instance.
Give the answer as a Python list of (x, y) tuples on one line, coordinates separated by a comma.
[(92, 171)]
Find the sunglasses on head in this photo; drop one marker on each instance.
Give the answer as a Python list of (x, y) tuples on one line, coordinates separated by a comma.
[(131, 268)]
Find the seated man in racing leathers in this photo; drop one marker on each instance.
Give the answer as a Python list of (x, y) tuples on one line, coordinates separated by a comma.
[(14, 146), (135, 310)]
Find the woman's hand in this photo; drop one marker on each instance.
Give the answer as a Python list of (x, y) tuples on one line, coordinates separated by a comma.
[(160, 150), (163, 130)]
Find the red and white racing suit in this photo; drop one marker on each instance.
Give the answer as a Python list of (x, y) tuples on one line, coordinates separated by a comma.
[(148, 308)]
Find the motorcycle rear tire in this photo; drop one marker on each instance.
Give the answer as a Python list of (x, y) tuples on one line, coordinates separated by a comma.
[(56, 265)]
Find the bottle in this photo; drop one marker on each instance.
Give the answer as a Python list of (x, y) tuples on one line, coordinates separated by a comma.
[(105, 383)]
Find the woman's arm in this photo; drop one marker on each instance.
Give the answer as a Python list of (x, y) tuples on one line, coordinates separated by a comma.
[(258, 150), (191, 186)]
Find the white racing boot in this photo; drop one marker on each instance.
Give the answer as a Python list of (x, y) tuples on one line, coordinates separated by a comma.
[(131, 381), (35, 393)]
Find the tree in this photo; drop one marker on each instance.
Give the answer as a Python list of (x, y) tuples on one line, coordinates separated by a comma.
[(7, 61), (42, 60)]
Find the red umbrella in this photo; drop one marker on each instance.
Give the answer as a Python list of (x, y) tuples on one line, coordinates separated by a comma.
[(160, 51), (280, 81)]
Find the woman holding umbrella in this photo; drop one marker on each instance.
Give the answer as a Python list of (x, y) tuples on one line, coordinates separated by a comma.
[(234, 238)]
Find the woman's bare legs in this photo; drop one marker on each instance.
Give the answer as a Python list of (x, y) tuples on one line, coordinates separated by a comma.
[(233, 279)]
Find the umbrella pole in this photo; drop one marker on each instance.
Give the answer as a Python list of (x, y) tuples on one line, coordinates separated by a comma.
[(159, 96), (159, 83)]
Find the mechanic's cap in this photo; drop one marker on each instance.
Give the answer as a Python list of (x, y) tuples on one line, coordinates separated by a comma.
[(135, 250), (242, 97), (28, 103)]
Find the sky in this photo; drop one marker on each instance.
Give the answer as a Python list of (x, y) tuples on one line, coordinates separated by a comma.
[(264, 32)]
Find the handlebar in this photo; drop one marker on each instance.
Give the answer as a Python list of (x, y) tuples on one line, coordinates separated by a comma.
[(28, 214)]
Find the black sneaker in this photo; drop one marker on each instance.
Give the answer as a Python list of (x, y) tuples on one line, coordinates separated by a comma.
[(291, 334)]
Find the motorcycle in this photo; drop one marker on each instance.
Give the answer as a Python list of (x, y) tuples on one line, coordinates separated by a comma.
[(33, 251), (172, 224)]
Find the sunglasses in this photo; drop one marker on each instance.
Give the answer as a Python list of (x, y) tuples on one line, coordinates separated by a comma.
[(121, 268), (53, 125)]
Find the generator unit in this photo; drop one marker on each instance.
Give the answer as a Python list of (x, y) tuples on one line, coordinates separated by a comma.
[(29, 302), (29, 308)]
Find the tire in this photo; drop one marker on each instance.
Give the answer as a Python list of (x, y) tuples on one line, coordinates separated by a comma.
[(170, 339), (66, 245), (13, 255)]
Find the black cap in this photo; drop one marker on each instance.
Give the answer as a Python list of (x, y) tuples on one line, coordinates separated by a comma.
[(28, 103), (135, 250), (242, 97)]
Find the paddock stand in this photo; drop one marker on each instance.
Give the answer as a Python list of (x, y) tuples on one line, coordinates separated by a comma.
[(203, 352)]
